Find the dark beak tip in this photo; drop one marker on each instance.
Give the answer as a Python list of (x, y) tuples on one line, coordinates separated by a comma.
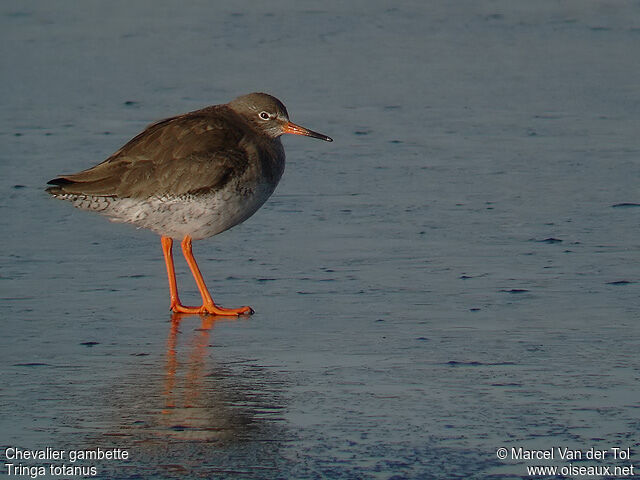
[(298, 130)]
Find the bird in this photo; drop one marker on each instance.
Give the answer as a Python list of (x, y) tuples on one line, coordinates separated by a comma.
[(190, 177)]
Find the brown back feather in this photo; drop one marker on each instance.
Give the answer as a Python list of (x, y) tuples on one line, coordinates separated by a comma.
[(188, 153)]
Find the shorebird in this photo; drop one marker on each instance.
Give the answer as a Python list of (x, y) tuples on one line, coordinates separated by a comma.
[(190, 177)]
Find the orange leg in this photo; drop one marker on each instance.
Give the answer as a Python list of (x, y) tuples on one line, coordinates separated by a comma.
[(167, 243), (208, 305)]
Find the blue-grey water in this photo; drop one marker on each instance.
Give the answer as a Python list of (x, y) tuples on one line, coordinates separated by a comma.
[(457, 272)]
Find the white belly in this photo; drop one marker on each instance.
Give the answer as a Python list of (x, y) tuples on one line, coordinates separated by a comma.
[(199, 216)]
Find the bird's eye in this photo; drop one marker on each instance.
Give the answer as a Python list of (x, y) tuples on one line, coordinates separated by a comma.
[(265, 116)]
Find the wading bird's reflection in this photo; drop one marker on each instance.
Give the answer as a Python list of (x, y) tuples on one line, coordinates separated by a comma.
[(193, 398), (194, 409), (197, 406)]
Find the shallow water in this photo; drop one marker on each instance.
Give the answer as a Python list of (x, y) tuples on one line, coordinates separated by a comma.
[(456, 273)]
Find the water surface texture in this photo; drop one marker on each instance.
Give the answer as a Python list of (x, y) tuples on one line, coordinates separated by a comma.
[(457, 272)]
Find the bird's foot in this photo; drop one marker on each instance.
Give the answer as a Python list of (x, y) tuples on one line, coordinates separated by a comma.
[(212, 309)]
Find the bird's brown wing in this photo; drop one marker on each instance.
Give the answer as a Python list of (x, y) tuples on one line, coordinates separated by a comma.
[(185, 154)]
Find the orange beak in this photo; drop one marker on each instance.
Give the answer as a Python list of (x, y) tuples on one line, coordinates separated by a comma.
[(298, 130)]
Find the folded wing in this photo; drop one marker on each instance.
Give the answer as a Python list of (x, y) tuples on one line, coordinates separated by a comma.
[(186, 154)]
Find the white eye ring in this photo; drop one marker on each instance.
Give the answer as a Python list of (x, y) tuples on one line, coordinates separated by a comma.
[(265, 116)]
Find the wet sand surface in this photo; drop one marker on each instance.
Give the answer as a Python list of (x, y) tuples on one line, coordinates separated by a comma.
[(457, 272)]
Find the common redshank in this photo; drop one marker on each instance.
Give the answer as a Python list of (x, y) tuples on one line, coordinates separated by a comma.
[(190, 177)]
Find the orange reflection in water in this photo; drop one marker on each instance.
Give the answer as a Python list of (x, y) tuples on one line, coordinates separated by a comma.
[(197, 404), (192, 394), (191, 407), (194, 365)]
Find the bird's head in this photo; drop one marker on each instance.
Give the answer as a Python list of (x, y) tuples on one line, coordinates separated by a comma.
[(269, 116)]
